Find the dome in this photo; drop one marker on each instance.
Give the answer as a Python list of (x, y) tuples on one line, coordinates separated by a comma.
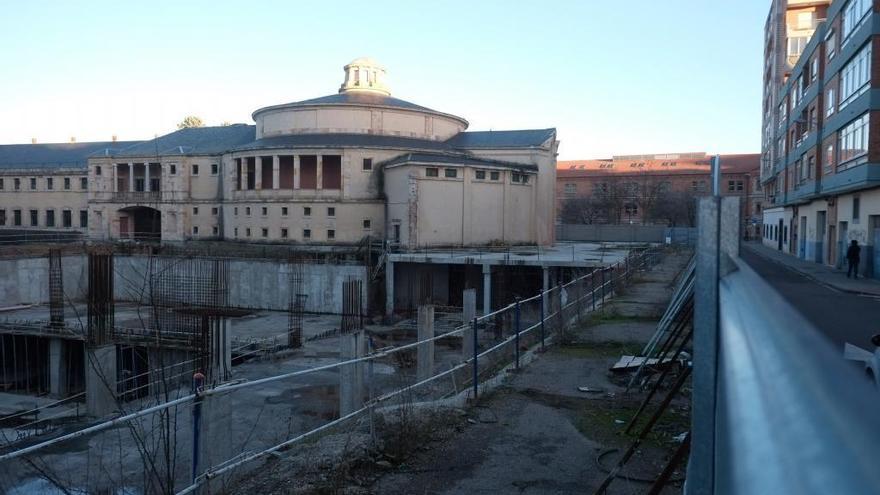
[(364, 74), (364, 61)]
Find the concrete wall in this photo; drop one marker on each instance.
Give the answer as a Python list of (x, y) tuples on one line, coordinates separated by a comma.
[(625, 233), (26, 280)]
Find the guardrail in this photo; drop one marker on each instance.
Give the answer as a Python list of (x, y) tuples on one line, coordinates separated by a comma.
[(257, 427)]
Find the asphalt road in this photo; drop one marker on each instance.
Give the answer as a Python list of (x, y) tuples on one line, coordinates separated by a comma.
[(840, 316)]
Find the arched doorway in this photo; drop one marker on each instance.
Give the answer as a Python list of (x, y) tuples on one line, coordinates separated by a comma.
[(141, 223)]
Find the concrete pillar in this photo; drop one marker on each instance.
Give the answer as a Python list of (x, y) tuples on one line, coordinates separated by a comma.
[(101, 380), (296, 171), (147, 177), (258, 173), (276, 171), (487, 289), (351, 376), (389, 288), (215, 447), (320, 172), (242, 173), (469, 298), (115, 176), (221, 352), (130, 177), (57, 368), (425, 351)]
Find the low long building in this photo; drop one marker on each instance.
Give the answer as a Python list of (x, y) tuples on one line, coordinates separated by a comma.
[(333, 170)]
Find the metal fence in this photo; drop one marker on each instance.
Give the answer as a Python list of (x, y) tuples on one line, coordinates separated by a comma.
[(180, 441)]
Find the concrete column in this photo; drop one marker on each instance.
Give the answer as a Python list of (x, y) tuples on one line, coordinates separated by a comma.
[(130, 177), (276, 171), (487, 289), (425, 351), (147, 177), (469, 312), (258, 173), (57, 368), (115, 177), (389, 288), (221, 352), (242, 173), (546, 286), (296, 171), (319, 172), (215, 423), (101, 380), (351, 376)]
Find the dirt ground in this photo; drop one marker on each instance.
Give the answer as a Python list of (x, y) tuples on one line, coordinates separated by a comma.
[(536, 434)]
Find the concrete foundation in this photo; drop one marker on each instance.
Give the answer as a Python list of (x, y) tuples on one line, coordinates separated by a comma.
[(425, 353), (351, 376), (101, 380)]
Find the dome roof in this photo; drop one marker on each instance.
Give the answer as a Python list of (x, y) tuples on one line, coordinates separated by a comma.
[(364, 61)]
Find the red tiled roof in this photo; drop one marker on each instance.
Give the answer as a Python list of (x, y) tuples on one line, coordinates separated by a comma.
[(730, 164)]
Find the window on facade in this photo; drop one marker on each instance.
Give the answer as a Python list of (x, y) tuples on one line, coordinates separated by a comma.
[(829, 102), (450, 173), (83, 183), (283, 211), (367, 164), (480, 174), (516, 177), (97, 170), (432, 172), (66, 218), (783, 113), (215, 230), (50, 218), (235, 211), (247, 210), (307, 233), (331, 211), (195, 230), (215, 169), (215, 210), (828, 162), (814, 69), (2, 217), (2, 184), (67, 183), (810, 165), (631, 209), (83, 218), (172, 169), (856, 206), (35, 218), (284, 233), (331, 234), (247, 232), (235, 232), (307, 211), (571, 189), (195, 169), (855, 76), (796, 46), (367, 223), (16, 218), (852, 142), (525, 178), (830, 44), (16, 184), (33, 183), (796, 90), (331, 172), (265, 211), (195, 210), (494, 175), (265, 232), (852, 16), (308, 172)]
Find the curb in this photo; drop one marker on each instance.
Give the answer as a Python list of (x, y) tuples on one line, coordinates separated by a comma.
[(810, 276)]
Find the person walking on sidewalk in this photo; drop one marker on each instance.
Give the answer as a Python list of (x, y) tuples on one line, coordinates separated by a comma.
[(852, 258)]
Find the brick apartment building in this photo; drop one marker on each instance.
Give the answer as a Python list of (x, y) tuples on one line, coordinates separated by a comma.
[(820, 155), (654, 189)]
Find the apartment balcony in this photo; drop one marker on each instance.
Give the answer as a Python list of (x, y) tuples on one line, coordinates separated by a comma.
[(858, 177)]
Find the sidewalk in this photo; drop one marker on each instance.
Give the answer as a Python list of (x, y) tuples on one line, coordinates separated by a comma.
[(822, 274)]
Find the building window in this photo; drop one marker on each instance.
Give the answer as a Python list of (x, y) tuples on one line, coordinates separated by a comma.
[(195, 169), (571, 189), (856, 206), (814, 69), (829, 159), (515, 177), (247, 232), (50, 183), (331, 211), (83, 183), (829, 102), (195, 210), (283, 211), (2, 217), (495, 175), (35, 218), (796, 46), (83, 218), (17, 184), (67, 183), (2, 184), (247, 210), (830, 44), (368, 164), (33, 183), (16, 218), (50, 218), (195, 230), (235, 211), (265, 232), (97, 170), (852, 142), (331, 234), (67, 219), (265, 211), (215, 210), (307, 211), (215, 169), (852, 16), (235, 232), (450, 173), (172, 169), (432, 172), (480, 174), (215, 230), (855, 76), (367, 224), (284, 233), (307, 233)]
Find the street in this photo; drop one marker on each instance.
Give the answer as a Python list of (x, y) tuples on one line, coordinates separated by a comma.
[(840, 316)]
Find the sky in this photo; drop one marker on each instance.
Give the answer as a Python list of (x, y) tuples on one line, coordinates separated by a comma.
[(650, 77)]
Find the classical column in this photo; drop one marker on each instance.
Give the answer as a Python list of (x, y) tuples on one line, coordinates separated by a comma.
[(296, 171), (147, 177), (115, 176), (258, 173), (276, 168), (242, 174), (130, 177), (320, 178)]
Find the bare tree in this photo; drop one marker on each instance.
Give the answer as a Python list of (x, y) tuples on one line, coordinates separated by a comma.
[(191, 121), (585, 209)]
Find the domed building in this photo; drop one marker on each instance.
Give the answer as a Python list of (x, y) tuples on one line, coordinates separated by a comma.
[(333, 170)]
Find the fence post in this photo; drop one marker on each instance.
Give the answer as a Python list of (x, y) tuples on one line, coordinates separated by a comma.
[(579, 283), (559, 313), (516, 338), (198, 382), (476, 353), (603, 284), (593, 287), (542, 319)]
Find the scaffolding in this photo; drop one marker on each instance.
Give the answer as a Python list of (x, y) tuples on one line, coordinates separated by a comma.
[(296, 304), (100, 298), (56, 289), (352, 306)]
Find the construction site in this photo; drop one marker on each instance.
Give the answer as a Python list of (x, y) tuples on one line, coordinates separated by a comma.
[(146, 370)]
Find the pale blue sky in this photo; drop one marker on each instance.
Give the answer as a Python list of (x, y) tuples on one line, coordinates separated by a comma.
[(654, 76)]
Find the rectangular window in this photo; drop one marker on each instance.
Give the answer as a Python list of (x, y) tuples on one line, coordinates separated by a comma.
[(515, 177), (83, 218), (480, 174), (265, 232), (331, 211), (855, 76), (2, 217), (331, 234), (235, 232), (856, 205), (215, 210), (730, 186), (814, 69), (215, 230), (368, 164), (307, 211), (852, 16), (67, 183), (495, 175), (571, 189), (450, 173), (307, 233), (247, 232), (247, 210), (35, 218), (195, 169), (265, 211), (16, 217), (796, 46), (172, 169), (331, 172), (83, 183), (67, 219), (33, 183), (308, 172), (829, 159), (852, 142), (195, 210), (195, 230), (235, 211), (830, 44), (16, 184), (215, 169), (367, 224), (829, 102), (283, 211), (97, 170), (284, 233), (525, 178), (50, 183), (432, 172), (50, 218)]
